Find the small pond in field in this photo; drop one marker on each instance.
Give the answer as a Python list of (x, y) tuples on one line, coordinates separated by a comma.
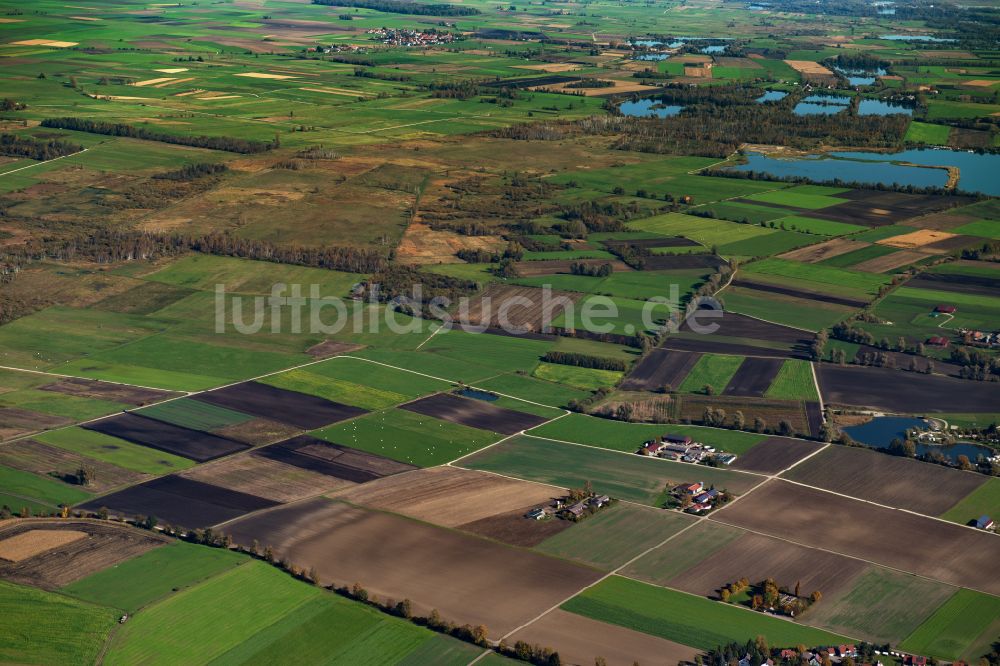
[(877, 107), (772, 96), (860, 77), (880, 431), (648, 108), (478, 395)]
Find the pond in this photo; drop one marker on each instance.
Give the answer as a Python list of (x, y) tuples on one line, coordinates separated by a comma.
[(478, 395), (880, 431), (914, 38), (648, 108), (772, 96), (651, 56), (860, 77), (977, 172), (714, 48), (877, 107), (758, 7), (817, 104), (839, 100), (820, 168)]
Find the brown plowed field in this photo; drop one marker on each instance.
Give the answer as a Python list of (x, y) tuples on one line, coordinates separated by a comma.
[(660, 368), (15, 421), (831, 248), (474, 413), (943, 221), (800, 293), (270, 402), (467, 579), (333, 460), (258, 431), (192, 444), (898, 482), (486, 309), (692, 407), (90, 388), (893, 391), (265, 478), (758, 557), (447, 496), (735, 325), (753, 377), (104, 544), (580, 640), (513, 528), (32, 456), (924, 546), (774, 454), (889, 262)]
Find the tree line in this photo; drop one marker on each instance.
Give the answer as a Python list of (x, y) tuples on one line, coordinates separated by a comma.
[(193, 171), (585, 361), (225, 143), (13, 145)]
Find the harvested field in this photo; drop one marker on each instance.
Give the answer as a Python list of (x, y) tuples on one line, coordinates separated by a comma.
[(660, 368), (882, 389), (505, 307), (809, 67), (562, 266), (64, 559), (753, 377), (15, 421), (775, 454), (889, 262), (692, 407), (666, 262), (40, 458), (735, 325), (947, 553), (297, 409), (579, 639), (474, 413), (513, 528), (800, 293), (258, 431), (949, 245), (943, 221), (180, 501), (916, 239), (91, 388), (676, 241), (332, 460), (709, 344), (467, 579), (35, 542), (260, 476), (185, 442), (894, 481), (812, 254), (758, 557), (448, 496)]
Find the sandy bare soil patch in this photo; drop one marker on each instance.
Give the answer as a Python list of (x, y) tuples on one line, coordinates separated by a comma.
[(447, 496), (34, 542), (153, 82), (889, 262), (898, 482), (758, 557), (265, 75), (171, 70), (468, 580), (618, 87), (44, 42), (941, 551), (916, 239), (104, 544), (808, 67), (265, 478), (579, 640), (422, 245), (832, 248)]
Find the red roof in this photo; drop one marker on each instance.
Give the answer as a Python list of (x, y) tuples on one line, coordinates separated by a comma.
[(947, 309)]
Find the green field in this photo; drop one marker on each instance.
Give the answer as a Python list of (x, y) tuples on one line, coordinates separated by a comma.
[(794, 382), (929, 133), (46, 628), (628, 437), (815, 226), (781, 309), (45, 490), (879, 606), (408, 437), (981, 228), (153, 575), (614, 535), (535, 390), (808, 196), (713, 370), (623, 476), (681, 553), (983, 501), (588, 379), (194, 414), (113, 450), (963, 628), (686, 618), (708, 232), (822, 279)]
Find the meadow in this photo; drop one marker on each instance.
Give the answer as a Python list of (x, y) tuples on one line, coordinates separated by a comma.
[(794, 382), (711, 370), (113, 450), (962, 628)]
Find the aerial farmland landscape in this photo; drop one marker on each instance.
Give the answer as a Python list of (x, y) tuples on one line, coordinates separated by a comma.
[(563, 332)]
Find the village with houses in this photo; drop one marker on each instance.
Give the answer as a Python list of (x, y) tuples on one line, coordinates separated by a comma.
[(411, 37)]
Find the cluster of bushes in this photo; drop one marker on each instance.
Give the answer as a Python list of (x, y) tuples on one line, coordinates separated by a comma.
[(594, 270), (225, 143), (193, 171)]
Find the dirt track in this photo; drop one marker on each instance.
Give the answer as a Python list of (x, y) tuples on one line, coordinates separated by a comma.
[(932, 548), (467, 579)]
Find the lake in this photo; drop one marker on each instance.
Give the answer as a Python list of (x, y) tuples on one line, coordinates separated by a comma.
[(880, 431), (819, 168), (914, 38), (772, 96), (860, 77), (714, 48), (978, 172), (651, 56), (877, 107), (648, 108), (821, 104)]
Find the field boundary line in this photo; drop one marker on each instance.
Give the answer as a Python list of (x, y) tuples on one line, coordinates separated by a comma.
[(822, 407), (54, 159), (519, 433), (428, 339), (106, 381)]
